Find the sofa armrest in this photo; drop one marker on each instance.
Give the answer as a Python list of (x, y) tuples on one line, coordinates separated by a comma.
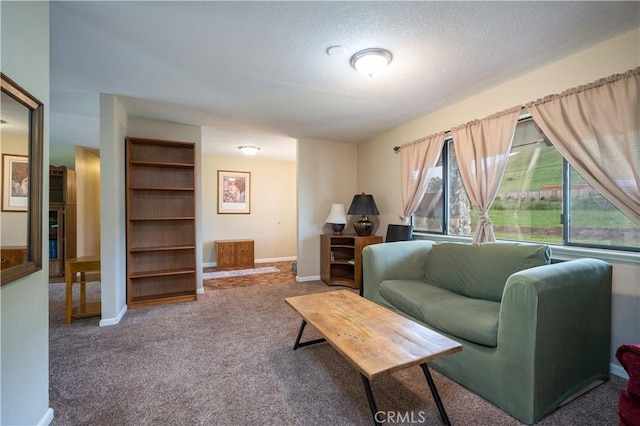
[(557, 316), (629, 357), (393, 261)]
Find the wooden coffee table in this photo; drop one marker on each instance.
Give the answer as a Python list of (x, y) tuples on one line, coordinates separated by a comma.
[(374, 339)]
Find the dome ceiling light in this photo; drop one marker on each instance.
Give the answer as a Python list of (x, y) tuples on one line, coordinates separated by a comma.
[(249, 149), (371, 61)]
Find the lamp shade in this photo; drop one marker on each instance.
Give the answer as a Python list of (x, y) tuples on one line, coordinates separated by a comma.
[(363, 204), (336, 215)]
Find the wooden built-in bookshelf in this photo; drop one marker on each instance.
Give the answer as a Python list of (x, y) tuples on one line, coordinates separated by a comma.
[(161, 234), (62, 218)]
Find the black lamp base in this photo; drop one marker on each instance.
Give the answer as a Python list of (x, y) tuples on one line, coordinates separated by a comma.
[(363, 227)]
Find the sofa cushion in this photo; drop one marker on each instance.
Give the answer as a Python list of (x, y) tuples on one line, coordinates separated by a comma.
[(474, 320), (480, 271)]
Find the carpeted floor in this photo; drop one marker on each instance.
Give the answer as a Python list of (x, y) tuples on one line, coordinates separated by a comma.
[(227, 359)]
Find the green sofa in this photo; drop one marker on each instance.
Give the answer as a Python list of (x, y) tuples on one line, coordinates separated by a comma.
[(534, 333)]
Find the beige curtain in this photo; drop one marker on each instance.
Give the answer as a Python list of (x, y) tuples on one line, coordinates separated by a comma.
[(596, 128), (482, 149), (417, 161)]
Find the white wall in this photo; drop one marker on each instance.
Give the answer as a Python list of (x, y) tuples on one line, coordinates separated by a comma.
[(87, 169), (272, 220), (140, 127), (379, 166), (24, 316), (62, 155), (625, 304), (113, 130), (327, 173)]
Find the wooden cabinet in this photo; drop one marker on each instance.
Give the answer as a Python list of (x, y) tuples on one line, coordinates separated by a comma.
[(62, 218), (161, 228), (341, 258), (234, 254), (12, 256)]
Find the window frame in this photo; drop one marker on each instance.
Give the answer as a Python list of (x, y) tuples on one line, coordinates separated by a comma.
[(565, 218)]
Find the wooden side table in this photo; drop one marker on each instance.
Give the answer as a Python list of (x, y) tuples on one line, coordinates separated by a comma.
[(75, 272), (341, 258)]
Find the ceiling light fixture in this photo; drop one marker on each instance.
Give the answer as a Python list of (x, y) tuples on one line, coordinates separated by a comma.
[(249, 149), (370, 61)]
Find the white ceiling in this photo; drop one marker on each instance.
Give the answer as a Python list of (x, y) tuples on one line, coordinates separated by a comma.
[(258, 73)]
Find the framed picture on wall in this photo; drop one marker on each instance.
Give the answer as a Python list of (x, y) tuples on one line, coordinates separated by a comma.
[(234, 192), (15, 183)]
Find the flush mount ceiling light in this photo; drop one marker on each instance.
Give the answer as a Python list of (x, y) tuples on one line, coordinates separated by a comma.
[(249, 149), (370, 61)]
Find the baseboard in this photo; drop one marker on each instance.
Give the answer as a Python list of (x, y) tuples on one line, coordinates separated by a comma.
[(305, 279), (113, 321), (47, 418), (276, 259), (618, 371), (266, 260)]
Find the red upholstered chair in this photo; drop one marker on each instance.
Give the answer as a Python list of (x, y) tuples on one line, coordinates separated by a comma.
[(629, 407)]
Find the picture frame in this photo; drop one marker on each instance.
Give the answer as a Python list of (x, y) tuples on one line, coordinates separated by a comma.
[(234, 192), (15, 183)]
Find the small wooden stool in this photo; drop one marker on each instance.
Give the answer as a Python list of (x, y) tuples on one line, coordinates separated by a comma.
[(75, 272)]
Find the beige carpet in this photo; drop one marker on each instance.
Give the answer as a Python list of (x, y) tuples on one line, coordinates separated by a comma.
[(227, 359)]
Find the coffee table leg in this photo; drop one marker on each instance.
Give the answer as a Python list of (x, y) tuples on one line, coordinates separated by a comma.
[(435, 394), (311, 342), (372, 402)]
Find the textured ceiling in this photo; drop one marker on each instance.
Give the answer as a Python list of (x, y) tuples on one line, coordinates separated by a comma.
[(258, 72)]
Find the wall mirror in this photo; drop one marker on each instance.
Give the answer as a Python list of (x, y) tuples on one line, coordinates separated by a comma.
[(21, 133)]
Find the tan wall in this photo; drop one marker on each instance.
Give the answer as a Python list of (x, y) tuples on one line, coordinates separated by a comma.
[(379, 165), (13, 224), (272, 220), (87, 167), (327, 173)]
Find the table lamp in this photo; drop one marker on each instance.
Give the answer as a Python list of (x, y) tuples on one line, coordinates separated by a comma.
[(337, 218), (363, 205)]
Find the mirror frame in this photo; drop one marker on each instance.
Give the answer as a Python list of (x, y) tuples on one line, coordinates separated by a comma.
[(34, 221)]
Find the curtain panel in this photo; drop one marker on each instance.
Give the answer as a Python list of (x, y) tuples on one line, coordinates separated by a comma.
[(417, 162), (482, 148), (596, 128)]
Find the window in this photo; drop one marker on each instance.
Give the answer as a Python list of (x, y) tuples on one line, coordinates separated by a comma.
[(430, 213), (528, 205), (594, 221), (537, 188), (462, 221)]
